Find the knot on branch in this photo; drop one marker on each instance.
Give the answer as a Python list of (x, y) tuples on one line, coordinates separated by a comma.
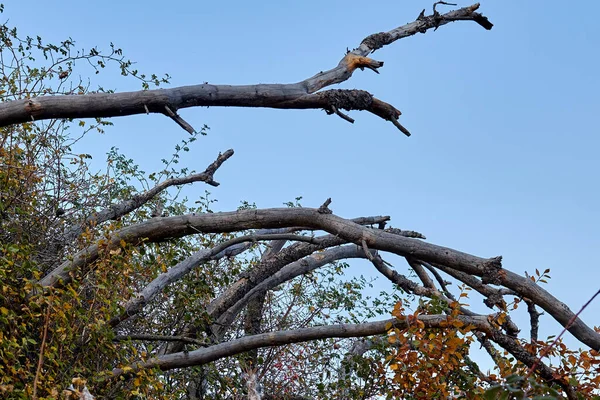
[(377, 40), (409, 234), (495, 299), (492, 271), (33, 108), (347, 99)]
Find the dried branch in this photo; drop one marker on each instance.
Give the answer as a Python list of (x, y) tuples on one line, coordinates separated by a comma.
[(285, 274), (421, 273), (534, 320), (270, 339), (493, 296), (301, 95), (443, 283), (402, 281), (180, 121), (234, 297), (177, 226), (175, 273), (116, 211), (159, 338)]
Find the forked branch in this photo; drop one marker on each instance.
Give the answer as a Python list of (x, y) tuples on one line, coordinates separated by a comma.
[(301, 95)]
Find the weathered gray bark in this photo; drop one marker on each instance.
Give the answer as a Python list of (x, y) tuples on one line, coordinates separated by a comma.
[(301, 95), (182, 268), (489, 269), (282, 264), (237, 346)]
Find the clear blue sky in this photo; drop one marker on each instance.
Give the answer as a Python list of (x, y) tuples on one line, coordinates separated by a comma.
[(504, 154)]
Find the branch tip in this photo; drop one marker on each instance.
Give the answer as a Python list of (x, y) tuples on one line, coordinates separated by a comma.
[(400, 127)]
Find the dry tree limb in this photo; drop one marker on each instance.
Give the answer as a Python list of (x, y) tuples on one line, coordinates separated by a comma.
[(175, 273), (171, 227), (237, 346), (158, 338), (300, 95)]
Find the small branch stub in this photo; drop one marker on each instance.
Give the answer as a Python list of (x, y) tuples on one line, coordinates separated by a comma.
[(324, 209), (180, 121)]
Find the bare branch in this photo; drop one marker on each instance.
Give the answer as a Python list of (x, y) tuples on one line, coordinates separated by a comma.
[(177, 226), (421, 273), (493, 296), (534, 320), (118, 210), (340, 114), (285, 274), (237, 346), (180, 121), (301, 95), (402, 281), (175, 273), (160, 338), (234, 297), (443, 284)]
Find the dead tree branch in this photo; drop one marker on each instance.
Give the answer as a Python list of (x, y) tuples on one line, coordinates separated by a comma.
[(118, 210), (178, 226), (287, 273), (237, 346), (301, 95), (181, 269)]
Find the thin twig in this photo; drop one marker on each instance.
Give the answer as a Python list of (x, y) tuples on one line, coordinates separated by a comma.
[(567, 326), (42, 347)]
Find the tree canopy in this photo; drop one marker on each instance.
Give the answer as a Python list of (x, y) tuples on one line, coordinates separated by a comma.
[(115, 285)]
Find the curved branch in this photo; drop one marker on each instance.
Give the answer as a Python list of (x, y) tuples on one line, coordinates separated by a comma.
[(237, 346), (299, 95), (493, 297), (489, 269), (288, 273), (231, 248), (175, 273)]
